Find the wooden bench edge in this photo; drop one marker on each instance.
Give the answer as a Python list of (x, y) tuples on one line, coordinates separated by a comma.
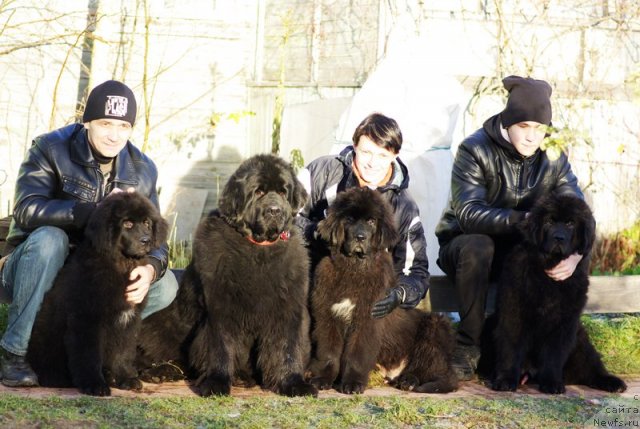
[(607, 294)]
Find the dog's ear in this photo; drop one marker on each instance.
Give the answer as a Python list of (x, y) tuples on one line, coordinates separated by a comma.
[(101, 230), (386, 232), (331, 230), (531, 228), (298, 195), (233, 198), (160, 229)]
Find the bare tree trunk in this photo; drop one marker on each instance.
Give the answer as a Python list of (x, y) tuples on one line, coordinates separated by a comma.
[(87, 56), (145, 78)]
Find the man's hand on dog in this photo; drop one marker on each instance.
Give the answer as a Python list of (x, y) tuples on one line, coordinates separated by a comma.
[(565, 268), (142, 277)]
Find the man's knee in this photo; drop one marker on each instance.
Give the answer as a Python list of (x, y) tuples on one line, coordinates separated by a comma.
[(478, 249), (161, 294), (50, 244)]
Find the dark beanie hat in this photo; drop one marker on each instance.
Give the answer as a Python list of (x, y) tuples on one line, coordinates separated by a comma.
[(528, 101), (113, 100)]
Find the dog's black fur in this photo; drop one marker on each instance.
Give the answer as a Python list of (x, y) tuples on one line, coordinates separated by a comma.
[(241, 314), (348, 342), (85, 333), (536, 332)]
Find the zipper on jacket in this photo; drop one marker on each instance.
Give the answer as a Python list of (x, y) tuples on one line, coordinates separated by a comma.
[(102, 184), (520, 185)]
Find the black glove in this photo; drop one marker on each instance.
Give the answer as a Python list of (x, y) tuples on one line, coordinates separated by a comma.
[(394, 298)]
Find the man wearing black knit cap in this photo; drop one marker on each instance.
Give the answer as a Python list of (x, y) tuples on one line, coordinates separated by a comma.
[(66, 173), (498, 174)]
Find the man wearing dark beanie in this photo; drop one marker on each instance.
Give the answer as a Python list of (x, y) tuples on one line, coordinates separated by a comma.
[(65, 174), (498, 174)]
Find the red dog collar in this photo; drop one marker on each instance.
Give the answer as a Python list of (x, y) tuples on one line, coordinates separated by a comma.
[(284, 236)]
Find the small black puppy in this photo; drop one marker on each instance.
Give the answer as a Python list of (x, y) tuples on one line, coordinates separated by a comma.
[(85, 333)]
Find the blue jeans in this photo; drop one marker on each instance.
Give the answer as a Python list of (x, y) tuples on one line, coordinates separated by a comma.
[(29, 273)]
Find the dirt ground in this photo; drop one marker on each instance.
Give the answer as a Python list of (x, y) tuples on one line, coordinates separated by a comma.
[(467, 389)]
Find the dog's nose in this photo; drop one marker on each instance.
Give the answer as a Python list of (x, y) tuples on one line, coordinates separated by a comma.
[(559, 237), (274, 211), (145, 240), (360, 237)]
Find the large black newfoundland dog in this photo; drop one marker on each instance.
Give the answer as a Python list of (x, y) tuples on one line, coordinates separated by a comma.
[(241, 313), (537, 332), (348, 342), (85, 333)]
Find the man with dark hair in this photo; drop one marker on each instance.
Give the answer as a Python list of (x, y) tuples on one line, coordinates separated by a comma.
[(498, 174), (373, 161), (65, 175)]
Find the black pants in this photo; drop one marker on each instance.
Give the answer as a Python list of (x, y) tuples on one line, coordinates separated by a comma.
[(472, 261)]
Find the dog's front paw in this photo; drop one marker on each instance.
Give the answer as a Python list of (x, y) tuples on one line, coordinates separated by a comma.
[(351, 387), (504, 384), (300, 388), (96, 389), (210, 386), (405, 382), (129, 384), (552, 387), (322, 383)]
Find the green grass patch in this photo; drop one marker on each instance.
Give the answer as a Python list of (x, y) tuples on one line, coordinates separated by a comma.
[(615, 338), (261, 412), (618, 341)]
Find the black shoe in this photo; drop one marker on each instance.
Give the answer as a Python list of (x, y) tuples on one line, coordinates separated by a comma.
[(465, 361), (16, 372)]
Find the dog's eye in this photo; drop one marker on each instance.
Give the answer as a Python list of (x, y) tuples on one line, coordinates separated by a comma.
[(147, 223), (127, 224), (570, 223), (371, 222), (259, 192)]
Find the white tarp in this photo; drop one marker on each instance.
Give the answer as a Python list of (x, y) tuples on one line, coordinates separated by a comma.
[(310, 127), (425, 104)]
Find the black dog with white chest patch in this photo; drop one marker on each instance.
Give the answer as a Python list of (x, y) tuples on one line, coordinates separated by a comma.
[(359, 271)]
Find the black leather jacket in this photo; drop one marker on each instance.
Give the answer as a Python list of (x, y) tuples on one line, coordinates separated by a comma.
[(493, 186), (60, 172)]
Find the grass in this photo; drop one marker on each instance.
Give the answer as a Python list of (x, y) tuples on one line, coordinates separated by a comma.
[(618, 341), (179, 251), (261, 412), (616, 338)]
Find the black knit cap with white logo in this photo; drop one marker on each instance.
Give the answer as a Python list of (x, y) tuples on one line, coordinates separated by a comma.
[(113, 100), (528, 101)]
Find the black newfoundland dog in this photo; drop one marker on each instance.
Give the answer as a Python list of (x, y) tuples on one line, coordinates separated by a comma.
[(85, 333), (537, 332), (348, 342), (241, 313)]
